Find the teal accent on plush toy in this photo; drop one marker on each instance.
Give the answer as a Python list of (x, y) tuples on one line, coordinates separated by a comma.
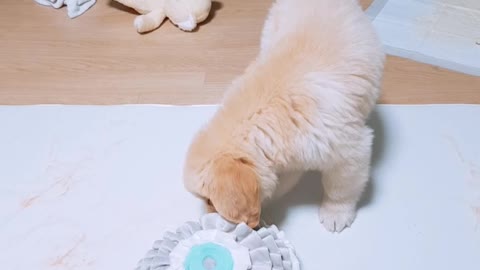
[(209, 256)]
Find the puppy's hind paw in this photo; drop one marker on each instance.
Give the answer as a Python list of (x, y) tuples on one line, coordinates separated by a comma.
[(336, 219)]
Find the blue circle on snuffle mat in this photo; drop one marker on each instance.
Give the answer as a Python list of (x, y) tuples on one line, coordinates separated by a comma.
[(209, 256)]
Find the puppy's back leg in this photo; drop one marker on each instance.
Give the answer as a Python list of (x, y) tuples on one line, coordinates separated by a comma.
[(345, 181)]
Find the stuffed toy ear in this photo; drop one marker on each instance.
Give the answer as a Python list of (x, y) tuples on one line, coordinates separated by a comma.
[(179, 14)]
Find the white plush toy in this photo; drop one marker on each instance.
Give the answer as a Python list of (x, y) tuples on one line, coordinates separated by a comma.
[(75, 8), (185, 14)]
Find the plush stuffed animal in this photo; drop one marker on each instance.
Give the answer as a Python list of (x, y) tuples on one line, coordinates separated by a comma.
[(185, 14), (75, 8)]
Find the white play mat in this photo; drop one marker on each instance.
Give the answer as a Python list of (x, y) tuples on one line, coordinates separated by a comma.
[(91, 188)]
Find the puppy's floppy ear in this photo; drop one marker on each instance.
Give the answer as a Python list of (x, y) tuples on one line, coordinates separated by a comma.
[(234, 190)]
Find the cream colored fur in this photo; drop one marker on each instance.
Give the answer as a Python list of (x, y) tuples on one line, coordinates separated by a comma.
[(301, 105)]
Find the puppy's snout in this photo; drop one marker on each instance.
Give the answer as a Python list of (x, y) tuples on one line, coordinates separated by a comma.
[(253, 223)]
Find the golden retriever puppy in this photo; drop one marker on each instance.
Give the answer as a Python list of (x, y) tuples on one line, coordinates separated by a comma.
[(301, 105)]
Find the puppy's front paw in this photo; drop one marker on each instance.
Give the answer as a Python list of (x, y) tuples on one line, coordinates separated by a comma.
[(335, 218)]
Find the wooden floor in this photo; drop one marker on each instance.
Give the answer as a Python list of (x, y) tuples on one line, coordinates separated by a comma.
[(98, 58)]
